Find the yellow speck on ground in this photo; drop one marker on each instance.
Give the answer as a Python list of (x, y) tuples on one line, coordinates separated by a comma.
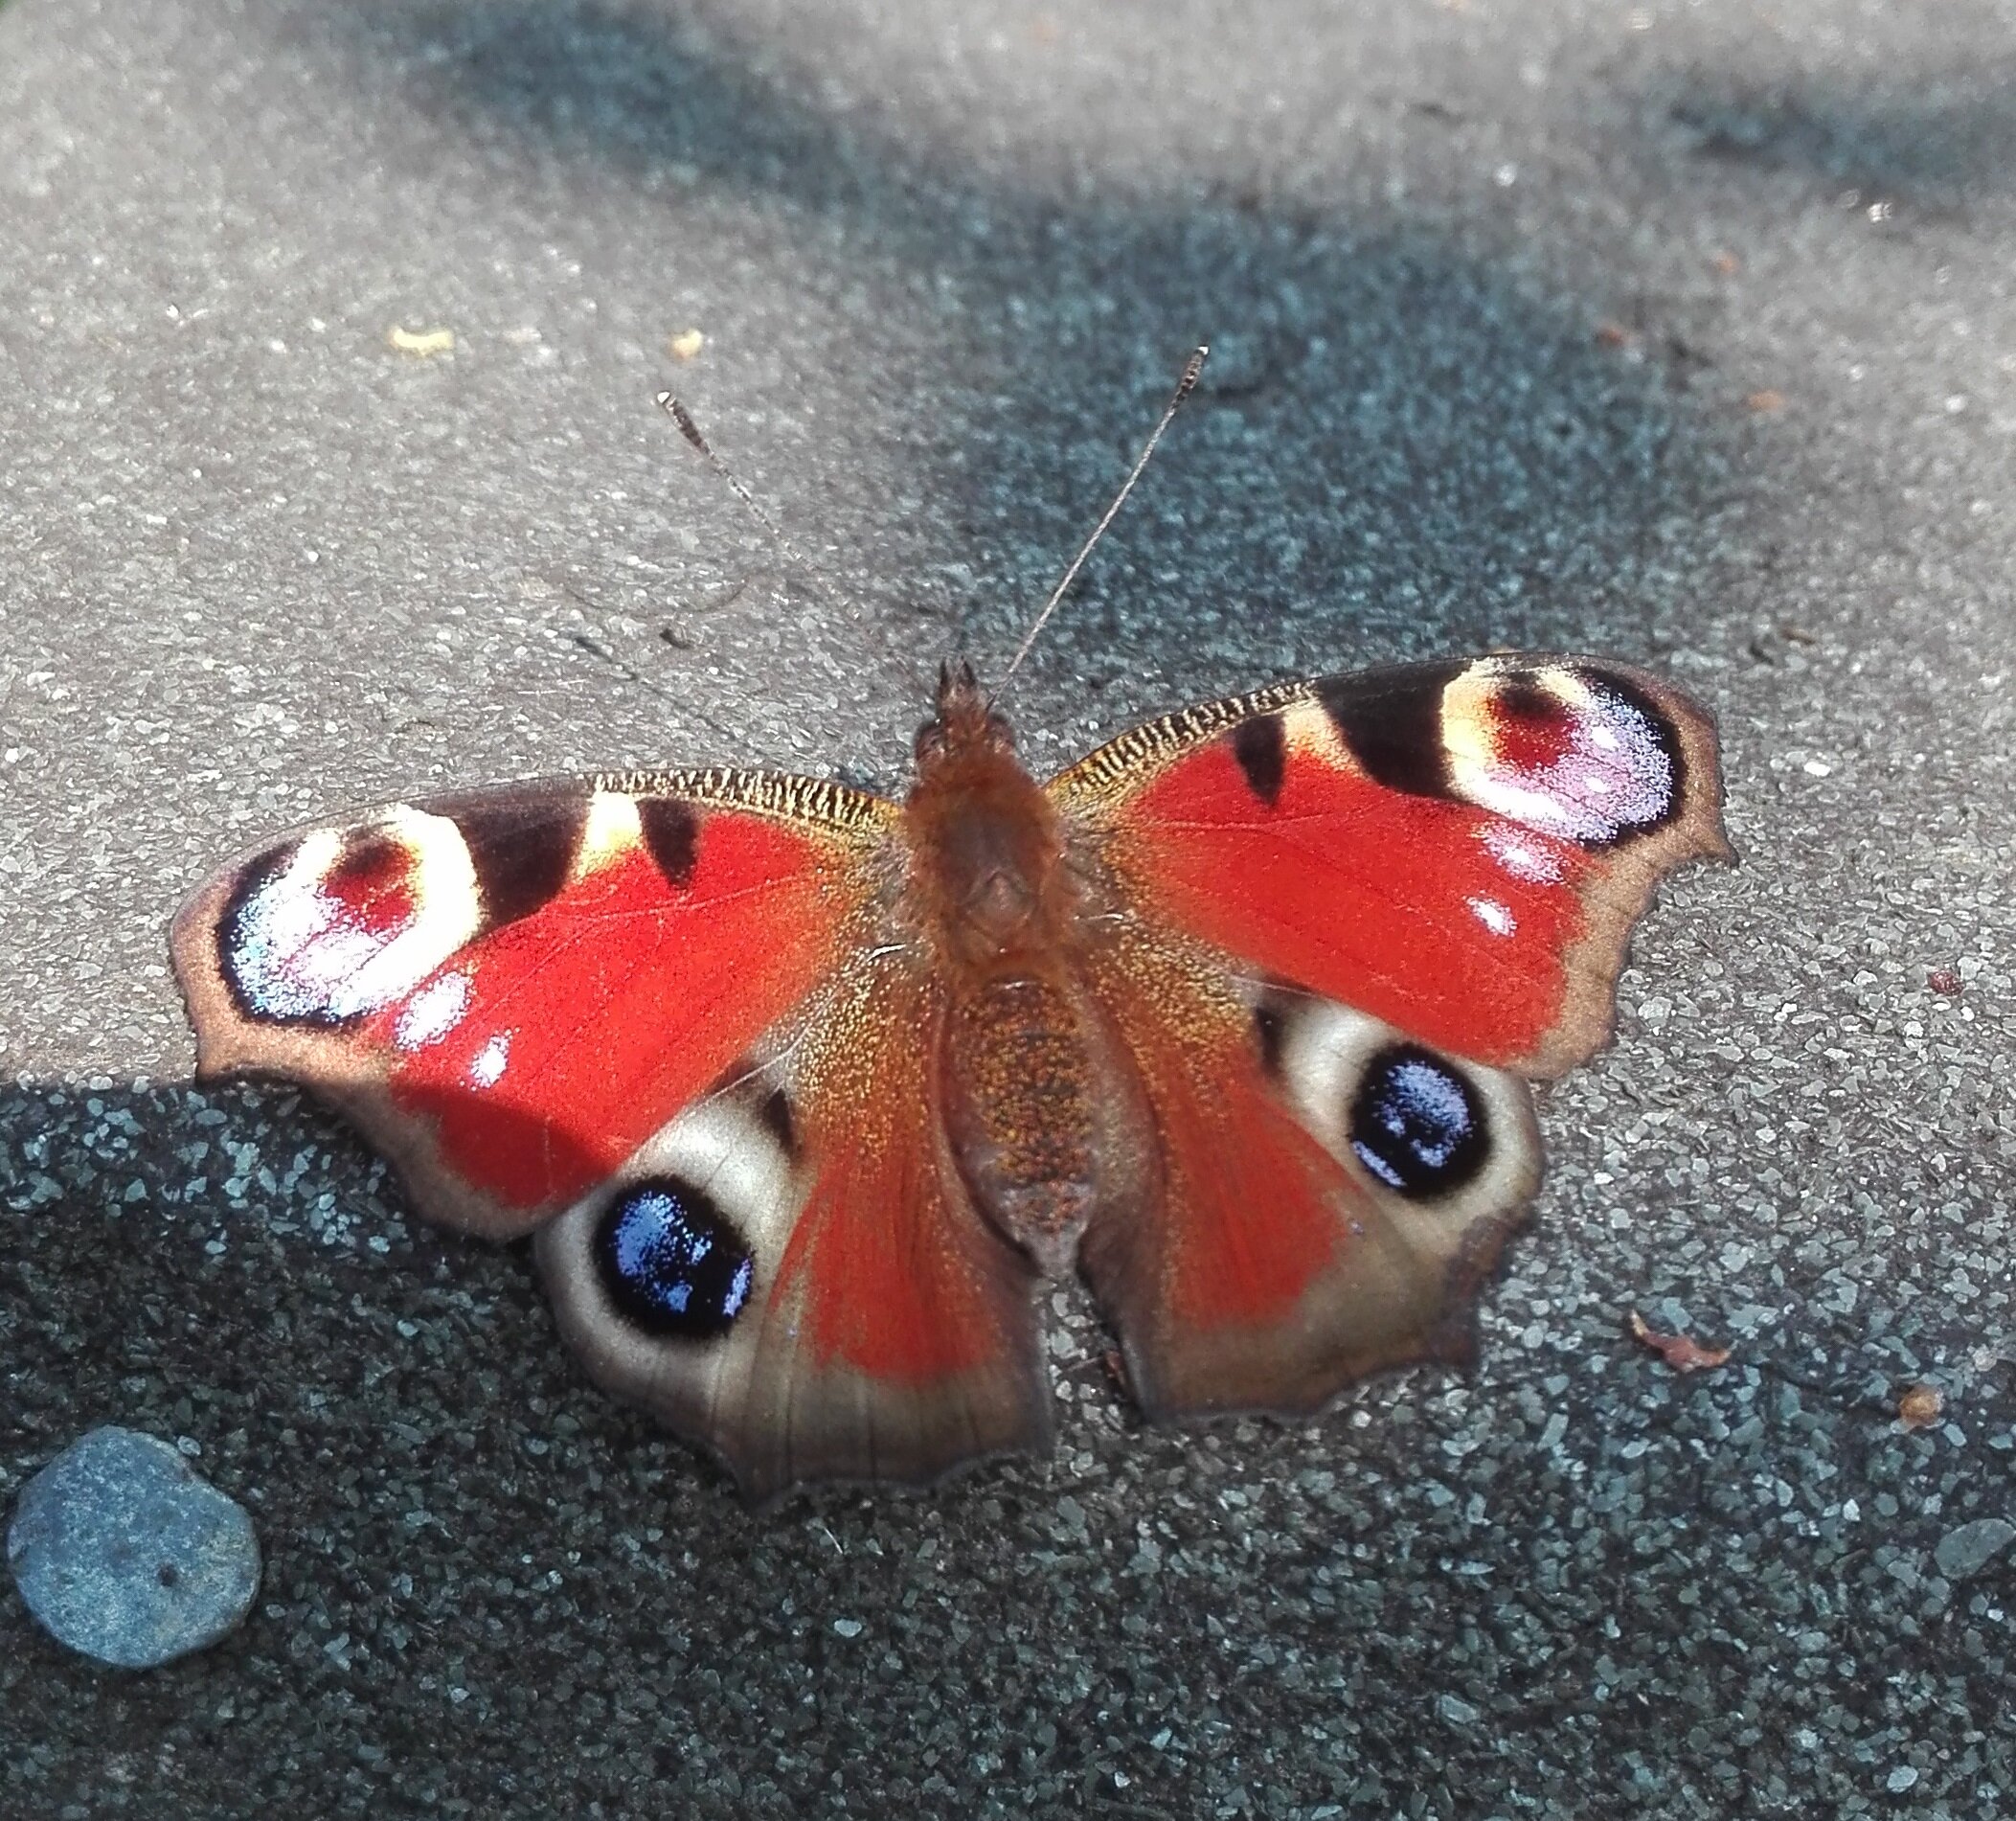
[(421, 342), (686, 344)]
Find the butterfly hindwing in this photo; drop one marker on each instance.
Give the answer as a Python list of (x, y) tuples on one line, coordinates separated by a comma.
[(1326, 1195), (1458, 849), (509, 991), (793, 1273)]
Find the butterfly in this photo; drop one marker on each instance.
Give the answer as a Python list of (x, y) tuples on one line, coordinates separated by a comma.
[(804, 1093)]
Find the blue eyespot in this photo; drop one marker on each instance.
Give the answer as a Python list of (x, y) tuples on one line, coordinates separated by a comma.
[(672, 1262), (1417, 1125)]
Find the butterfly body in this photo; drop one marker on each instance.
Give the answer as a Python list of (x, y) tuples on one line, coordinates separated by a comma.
[(1025, 1069), (804, 1092)]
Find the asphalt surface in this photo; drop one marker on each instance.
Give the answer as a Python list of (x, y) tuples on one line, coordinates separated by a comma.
[(1678, 332)]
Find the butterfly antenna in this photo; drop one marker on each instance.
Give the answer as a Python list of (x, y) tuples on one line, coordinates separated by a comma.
[(1184, 386), (732, 480)]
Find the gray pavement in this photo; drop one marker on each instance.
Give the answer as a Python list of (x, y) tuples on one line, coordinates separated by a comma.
[(1679, 332)]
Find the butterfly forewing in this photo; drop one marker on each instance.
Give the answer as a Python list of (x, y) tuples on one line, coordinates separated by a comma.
[(512, 989), (1458, 849)]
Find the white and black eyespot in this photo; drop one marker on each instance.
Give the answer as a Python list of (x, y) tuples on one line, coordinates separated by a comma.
[(1438, 1132), (334, 926), (1572, 750)]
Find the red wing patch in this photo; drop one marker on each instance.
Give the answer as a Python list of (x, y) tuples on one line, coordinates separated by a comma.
[(881, 1294), (547, 1051), (1459, 849), (1258, 1224), (509, 991)]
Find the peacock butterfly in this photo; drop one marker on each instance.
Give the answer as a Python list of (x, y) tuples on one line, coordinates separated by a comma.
[(804, 1092)]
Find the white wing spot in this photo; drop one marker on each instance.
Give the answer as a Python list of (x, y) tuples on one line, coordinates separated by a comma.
[(1523, 855), (314, 941), (487, 1069), (1495, 916), (433, 1012)]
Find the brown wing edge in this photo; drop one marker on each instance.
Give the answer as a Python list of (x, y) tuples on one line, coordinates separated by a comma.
[(1621, 895)]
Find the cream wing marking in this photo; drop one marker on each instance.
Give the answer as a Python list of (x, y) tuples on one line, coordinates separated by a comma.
[(1442, 1143), (343, 922)]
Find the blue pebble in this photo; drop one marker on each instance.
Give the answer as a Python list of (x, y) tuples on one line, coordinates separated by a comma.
[(125, 1555)]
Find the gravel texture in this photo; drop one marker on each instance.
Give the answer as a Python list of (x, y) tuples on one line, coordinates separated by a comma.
[(1679, 332), (126, 1555)]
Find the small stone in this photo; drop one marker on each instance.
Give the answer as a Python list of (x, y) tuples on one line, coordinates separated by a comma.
[(1900, 1780), (1970, 1548), (1456, 1711), (1919, 1406), (847, 1628), (126, 1555)]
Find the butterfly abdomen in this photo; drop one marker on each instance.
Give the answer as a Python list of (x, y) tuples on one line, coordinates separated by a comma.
[(1018, 1091), (1021, 1079)]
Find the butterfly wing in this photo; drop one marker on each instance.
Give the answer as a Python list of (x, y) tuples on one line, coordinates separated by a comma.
[(1458, 849), (880, 1328), (1324, 1192), (509, 991), (1353, 914), (660, 1015)]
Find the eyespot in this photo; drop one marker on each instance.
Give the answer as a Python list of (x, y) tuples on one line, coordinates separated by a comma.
[(672, 1261), (1573, 752), (1417, 1125), (335, 925)]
